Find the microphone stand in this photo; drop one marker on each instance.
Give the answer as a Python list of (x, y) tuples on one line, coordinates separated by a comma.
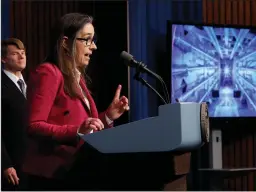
[(144, 82), (142, 68)]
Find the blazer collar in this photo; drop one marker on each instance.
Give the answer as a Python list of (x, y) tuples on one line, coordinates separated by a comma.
[(94, 112)]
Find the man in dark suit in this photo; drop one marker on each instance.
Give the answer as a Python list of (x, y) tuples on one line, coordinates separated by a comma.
[(13, 143)]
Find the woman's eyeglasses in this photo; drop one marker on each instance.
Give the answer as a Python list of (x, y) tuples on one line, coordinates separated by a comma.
[(88, 41)]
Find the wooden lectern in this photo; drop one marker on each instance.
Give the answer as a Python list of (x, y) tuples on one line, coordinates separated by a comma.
[(149, 154)]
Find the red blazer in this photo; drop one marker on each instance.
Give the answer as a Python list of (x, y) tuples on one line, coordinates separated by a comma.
[(54, 118)]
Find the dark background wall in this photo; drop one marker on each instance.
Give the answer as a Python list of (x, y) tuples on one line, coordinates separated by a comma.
[(239, 137)]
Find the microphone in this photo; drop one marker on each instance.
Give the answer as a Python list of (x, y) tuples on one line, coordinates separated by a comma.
[(142, 68), (131, 62)]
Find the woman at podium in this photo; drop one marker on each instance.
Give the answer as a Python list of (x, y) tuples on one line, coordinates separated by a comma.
[(61, 107)]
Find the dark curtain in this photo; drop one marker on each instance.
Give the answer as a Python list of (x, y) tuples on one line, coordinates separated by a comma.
[(147, 42), (5, 19)]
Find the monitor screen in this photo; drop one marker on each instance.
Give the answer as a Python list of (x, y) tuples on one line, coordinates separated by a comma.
[(216, 65)]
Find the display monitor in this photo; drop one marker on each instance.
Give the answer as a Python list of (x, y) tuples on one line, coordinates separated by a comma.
[(214, 64)]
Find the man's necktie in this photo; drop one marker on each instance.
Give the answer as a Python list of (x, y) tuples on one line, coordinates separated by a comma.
[(22, 86)]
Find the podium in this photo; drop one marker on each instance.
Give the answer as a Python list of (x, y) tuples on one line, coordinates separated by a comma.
[(149, 154)]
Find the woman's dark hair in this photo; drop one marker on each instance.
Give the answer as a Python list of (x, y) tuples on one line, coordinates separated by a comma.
[(68, 26)]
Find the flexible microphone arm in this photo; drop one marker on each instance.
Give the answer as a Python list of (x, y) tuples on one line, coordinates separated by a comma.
[(166, 94), (144, 82), (141, 67)]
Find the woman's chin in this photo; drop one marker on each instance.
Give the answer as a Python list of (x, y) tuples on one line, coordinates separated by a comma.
[(84, 64)]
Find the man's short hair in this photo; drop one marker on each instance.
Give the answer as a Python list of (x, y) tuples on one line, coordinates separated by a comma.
[(11, 41)]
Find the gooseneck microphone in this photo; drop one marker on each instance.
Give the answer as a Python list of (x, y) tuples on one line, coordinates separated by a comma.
[(142, 68), (131, 62)]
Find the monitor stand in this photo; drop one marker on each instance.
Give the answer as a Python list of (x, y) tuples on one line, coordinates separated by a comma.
[(215, 149)]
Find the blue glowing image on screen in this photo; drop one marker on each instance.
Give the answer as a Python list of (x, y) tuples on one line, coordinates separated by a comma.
[(215, 65)]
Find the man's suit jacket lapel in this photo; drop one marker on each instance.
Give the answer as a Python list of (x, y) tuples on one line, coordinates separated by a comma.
[(10, 84)]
